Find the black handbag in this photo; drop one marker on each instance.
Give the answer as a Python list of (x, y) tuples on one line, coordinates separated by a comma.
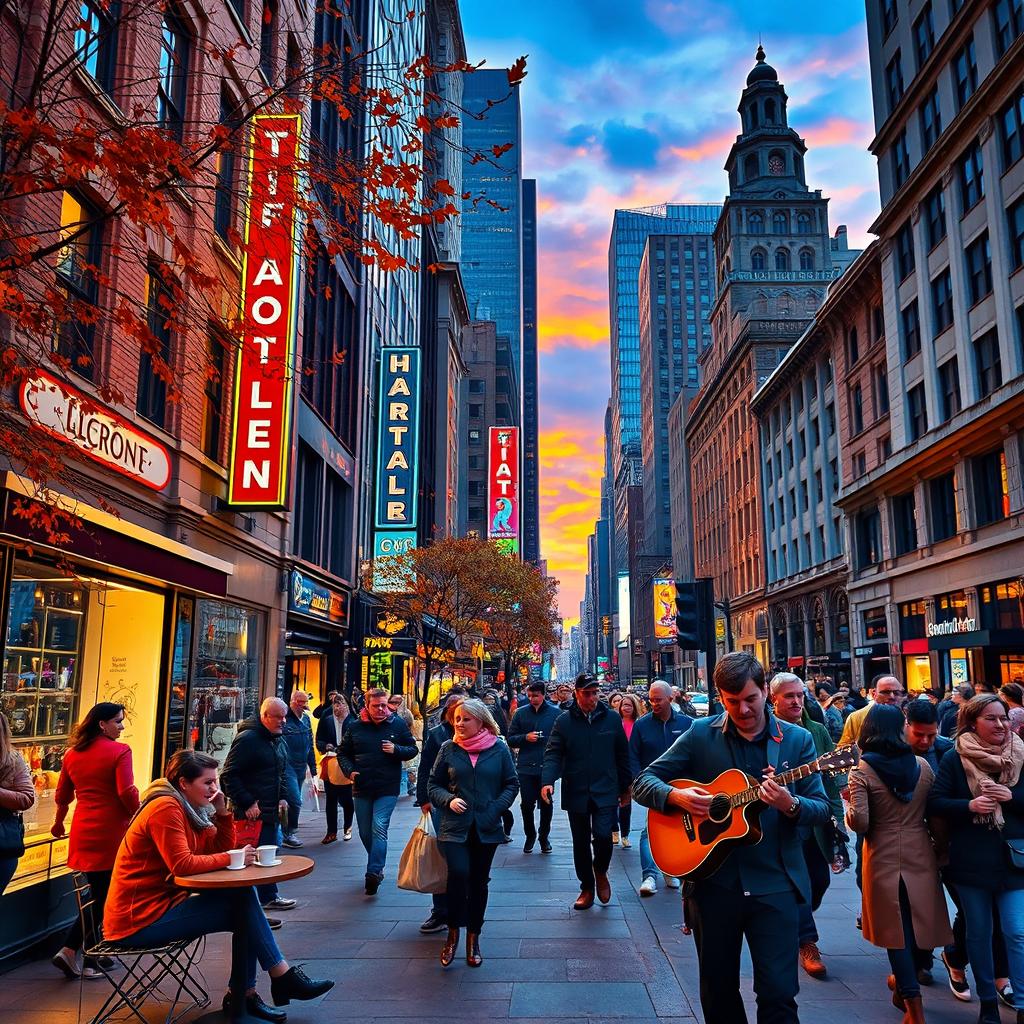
[(12, 834), (1015, 853)]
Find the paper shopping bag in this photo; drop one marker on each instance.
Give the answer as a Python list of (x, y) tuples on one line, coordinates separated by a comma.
[(423, 867)]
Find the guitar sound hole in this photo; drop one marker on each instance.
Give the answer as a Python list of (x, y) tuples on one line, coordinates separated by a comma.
[(720, 809)]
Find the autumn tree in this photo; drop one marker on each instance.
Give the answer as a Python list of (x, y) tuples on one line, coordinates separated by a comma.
[(98, 166)]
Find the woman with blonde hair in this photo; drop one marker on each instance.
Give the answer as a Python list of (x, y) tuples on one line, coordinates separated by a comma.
[(473, 782), (17, 794), (630, 709)]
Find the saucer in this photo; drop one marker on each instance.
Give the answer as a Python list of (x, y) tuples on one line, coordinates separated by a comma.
[(235, 867), (272, 864)]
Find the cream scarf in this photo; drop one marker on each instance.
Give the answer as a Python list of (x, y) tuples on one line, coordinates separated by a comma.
[(984, 761)]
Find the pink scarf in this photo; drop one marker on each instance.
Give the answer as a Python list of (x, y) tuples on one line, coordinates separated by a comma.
[(476, 745)]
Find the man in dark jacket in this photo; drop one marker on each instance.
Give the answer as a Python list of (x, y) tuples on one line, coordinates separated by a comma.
[(528, 731), (432, 743), (653, 734), (254, 779), (371, 754), (589, 753), (298, 739), (756, 892)]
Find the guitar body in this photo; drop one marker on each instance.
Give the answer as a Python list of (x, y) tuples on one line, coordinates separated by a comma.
[(687, 848)]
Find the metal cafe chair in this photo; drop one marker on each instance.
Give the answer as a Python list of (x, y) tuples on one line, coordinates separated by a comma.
[(164, 973)]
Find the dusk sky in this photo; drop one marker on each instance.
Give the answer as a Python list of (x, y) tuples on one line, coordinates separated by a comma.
[(633, 105)]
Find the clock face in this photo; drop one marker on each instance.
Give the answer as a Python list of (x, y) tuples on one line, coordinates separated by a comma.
[(776, 165)]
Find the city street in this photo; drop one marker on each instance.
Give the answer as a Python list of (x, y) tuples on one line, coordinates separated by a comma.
[(543, 962)]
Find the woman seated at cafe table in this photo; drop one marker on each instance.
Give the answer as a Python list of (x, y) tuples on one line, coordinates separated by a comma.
[(175, 833)]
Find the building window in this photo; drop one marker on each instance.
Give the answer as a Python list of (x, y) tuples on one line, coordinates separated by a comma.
[(890, 15), (151, 400), (988, 363), (76, 332), (852, 346), (782, 259), (942, 303), (935, 216), (173, 76), (991, 489), (856, 410), (868, 531), (875, 625), (917, 413), (474, 437), (476, 387), (96, 42), (978, 257), (755, 223), (806, 259), (1015, 219), (965, 73), (780, 222), (225, 157), (757, 259), (1002, 605), (904, 517), (972, 177), (942, 497), (1009, 17), (804, 226), (1011, 129), (879, 322), (309, 483), (268, 32), (882, 389), (910, 322), (860, 465), (924, 35), (213, 395), (913, 620), (905, 261), (894, 80), (900, 159), (930, 116), (949, 388), (476, 410)]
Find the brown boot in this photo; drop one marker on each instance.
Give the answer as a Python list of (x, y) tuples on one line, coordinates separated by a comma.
[(915, 1011), (473, 955), (451, 944), (897, 1000), (584, 901), (604, 887)]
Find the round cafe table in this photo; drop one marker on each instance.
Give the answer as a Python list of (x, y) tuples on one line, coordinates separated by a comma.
[(290, 867)]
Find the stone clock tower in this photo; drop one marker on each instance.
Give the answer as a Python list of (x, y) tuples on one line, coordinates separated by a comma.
[(775, 258)]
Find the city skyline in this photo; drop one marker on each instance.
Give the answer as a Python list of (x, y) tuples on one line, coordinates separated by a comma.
[(593, 151)]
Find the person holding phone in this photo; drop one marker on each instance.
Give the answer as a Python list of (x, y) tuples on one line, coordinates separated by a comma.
[(528, 734)]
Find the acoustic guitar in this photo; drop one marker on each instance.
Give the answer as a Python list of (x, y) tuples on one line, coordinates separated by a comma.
[(691, 847)]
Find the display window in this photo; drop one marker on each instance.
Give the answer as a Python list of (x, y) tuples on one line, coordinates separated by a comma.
[(1011, 669), (917, 672)]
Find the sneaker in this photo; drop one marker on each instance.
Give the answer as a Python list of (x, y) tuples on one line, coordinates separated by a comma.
[(91, 973), (924, 977), (279, 903), (671, 881), (810, 960), (528, 845), (648, 887), (545, 846), (372, 883), (626, 844), (331, 837), (66, 963), (1006, 995), (507, 839), (433, 924), (292, 841), (274, 923), (348, 834), (615, 839), (960, 988)]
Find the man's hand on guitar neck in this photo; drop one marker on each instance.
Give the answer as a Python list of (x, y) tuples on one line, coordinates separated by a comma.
[(695, 800), (775, 795)]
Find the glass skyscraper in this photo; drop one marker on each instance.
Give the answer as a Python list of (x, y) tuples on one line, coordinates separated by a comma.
[(531, 461)]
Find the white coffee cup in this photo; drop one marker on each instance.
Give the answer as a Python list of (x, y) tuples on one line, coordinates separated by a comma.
[(237, 858), (266, 855)]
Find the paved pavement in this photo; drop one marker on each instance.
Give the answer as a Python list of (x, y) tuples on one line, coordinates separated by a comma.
[(628, 961)]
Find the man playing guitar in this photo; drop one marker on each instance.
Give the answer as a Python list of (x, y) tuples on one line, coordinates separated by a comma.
[(756, 892)]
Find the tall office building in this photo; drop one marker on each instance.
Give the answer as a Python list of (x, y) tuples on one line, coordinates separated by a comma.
[(530, 516)]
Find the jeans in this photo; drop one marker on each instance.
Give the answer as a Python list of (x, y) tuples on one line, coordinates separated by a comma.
[(820, 875), (721, 919), (469, 871), (270, 833), (8, 865), (295, 776), (335, 795), (956, 952), (373, 815), (219, 910), (592, 826), (625, 814), (648, 869), (903, 961), (99, 884), (529, 792), (978, 906)]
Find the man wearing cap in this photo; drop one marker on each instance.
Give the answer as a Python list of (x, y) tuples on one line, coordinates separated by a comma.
[(588, 751), (528, 732)]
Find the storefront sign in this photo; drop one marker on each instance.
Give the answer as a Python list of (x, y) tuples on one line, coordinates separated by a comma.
[(503, 485), (398, 437), (664, 611), (260, 428), (378, 643), (317, 600), (102, 435), (389, 576), (964, 625)]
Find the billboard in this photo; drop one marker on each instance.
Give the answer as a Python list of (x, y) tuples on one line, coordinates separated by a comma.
[(261, 422), (625, 624), (389, 576), (398, 434), (503, 486), (664, 611)]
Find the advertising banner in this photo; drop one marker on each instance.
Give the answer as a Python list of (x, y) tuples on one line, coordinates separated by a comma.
[(398, 438), (388, 574), (503, 485), (260, 426), (308, 596), (664, 611)]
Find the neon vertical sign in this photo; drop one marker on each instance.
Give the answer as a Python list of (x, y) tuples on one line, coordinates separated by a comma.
[(503, 486)]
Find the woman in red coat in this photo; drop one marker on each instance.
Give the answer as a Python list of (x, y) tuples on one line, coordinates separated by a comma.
[(97, 772)]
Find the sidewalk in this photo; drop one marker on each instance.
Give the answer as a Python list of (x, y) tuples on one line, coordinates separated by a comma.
[(543, 962)]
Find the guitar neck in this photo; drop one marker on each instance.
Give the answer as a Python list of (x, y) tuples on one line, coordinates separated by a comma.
[(749, 795)]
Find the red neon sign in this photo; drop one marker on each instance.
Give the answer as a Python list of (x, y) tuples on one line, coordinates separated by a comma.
[(260, 428), (503, 484)]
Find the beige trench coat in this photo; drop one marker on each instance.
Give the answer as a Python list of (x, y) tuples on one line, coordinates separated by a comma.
[(897, 846)]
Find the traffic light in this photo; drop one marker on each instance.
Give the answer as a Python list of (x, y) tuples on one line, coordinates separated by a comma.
[(689, 634)]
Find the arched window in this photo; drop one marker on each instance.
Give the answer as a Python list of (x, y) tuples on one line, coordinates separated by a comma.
[(780, 222), (782, 259), (758, 258), (769, 111), (803, 224), (755, 119), (755, 223), (806, 259), (750, 168)]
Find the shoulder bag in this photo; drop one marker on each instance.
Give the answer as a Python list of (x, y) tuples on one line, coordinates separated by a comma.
[(12, 834)]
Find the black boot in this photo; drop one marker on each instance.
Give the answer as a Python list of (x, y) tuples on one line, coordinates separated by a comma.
[(989, 1012), (252, 1006), (294, 984)]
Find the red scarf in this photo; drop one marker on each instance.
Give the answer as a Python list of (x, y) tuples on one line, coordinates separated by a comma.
[(476, 745)]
